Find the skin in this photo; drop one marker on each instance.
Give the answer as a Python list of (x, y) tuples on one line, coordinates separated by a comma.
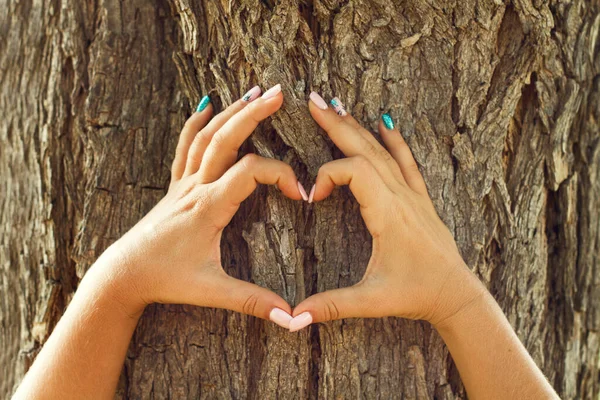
[(173, 256), (416, 270)]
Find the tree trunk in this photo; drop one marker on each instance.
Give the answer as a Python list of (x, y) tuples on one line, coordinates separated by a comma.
[(498, 101)]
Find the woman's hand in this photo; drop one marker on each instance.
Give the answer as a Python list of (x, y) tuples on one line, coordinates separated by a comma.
[(173, 254), (415, 270)]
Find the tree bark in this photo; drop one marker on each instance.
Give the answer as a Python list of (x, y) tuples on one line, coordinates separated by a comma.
[(499, 102)]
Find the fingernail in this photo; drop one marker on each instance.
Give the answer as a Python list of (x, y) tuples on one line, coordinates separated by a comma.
[(300, 321), (318, 100), (280, 317), (203, 103), (302, 192), (312, 194), (252, 94), (274, 91), (388, 121), (338, 106)]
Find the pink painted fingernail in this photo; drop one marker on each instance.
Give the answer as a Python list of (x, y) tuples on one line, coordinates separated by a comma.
[(252, 94), (274, 91), (318, 100), (338, 106), (312, 194), (300, 321), (280, 317), (302, 192)]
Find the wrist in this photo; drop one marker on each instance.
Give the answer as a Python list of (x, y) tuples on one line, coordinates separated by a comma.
[(473, 300), (482, 311), (111, 280), (460, 290)]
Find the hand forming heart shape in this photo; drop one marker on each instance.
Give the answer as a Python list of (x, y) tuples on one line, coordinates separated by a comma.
[(173, 254)]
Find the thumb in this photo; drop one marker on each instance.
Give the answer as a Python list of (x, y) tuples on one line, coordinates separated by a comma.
[(349, 302), (248, 298)]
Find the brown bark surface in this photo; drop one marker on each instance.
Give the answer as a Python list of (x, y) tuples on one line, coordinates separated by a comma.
[(499, 102)]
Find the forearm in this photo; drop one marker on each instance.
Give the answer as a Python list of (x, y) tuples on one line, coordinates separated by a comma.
[(491, 360), (84, 354)]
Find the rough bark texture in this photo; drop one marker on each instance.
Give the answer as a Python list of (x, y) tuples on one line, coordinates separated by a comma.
[(498, 100)]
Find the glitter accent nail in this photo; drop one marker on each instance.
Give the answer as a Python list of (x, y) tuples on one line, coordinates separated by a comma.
[(387, 121), (338, 106)]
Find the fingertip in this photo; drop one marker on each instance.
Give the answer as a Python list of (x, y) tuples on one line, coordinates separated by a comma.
[(204, 104), (197, 121), (273, 97), (291, 187), (308, 306), (381, 128), (385, 132), (201, 116), (293, 194), (277, 302), (280, 317), (338, 107), (318, 101), (302, 192), (273, 92), (277, 100), (270, 302), (319, 193), (311, 196), (387, 121), (300, 321), (281, 304), (251, 95), (322, 188), (321, 114), (327, 118), (265, 107)]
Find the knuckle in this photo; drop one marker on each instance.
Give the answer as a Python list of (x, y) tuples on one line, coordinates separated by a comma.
[(204, 135), (193, 158), (413, 168), (361, 162), (217, 140), (387, 157), (198, 143), (398, 212), (402, 144), (370, 149), (288, 170), (324, 169), (250, 113), (330, 310), (250, 160), (249, 306), (200, 201), (188, 125)]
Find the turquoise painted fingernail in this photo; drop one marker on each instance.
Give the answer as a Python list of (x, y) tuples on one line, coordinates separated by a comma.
[(388, 121), (203, 103)]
